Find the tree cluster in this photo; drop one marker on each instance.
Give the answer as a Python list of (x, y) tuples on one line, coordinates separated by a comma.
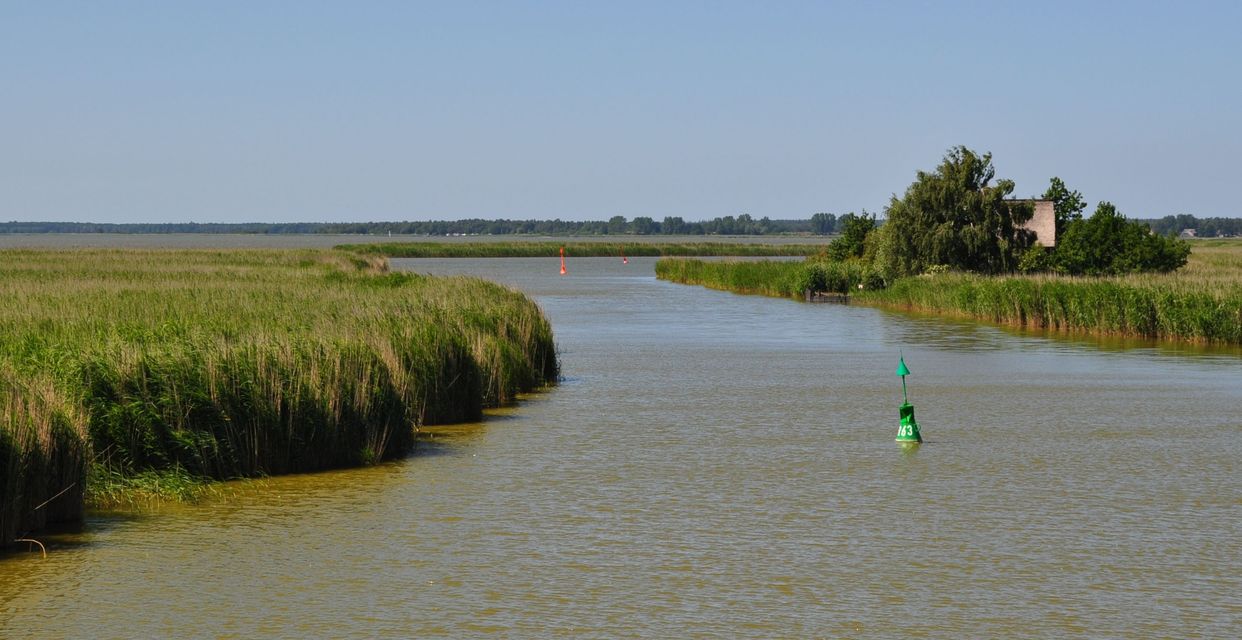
[(1104, 244), (1109, 244), (1204, 227), (744, 224), (955, 217), (960, 217), (852, 242)]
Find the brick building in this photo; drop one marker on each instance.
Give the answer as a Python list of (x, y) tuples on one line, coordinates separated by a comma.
[(1043, 223)]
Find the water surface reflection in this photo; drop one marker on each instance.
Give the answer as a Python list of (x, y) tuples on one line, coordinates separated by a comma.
[(723, 466)]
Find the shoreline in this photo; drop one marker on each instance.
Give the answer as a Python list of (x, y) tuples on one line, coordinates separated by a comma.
[(156, 368), (1201, 306)]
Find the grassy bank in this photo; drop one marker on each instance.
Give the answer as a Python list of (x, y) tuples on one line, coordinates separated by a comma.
[(781, 279), (144, 367), (1202, 302), (1141, 307), (578, 249)]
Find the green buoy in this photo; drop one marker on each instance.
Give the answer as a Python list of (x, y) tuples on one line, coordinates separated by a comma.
[(908, 431)]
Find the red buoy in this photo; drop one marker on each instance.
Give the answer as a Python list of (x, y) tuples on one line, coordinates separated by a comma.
[(563, 272)]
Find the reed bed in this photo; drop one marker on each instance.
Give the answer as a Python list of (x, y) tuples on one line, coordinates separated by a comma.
[(1202, 302), (1149, 307), (578, 249), (792, 279), (226, 364), (764, 277)]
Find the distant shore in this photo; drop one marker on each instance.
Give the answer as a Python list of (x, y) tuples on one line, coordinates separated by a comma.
[(325, 241)]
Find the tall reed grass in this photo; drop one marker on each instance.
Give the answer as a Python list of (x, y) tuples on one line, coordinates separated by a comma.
[(1111, 306), (578, 249), (1202, 302), (43, 452), (226, 364), (761, 277), (772, 278)]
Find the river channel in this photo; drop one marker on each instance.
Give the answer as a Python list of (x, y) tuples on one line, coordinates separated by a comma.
[(720, 466)]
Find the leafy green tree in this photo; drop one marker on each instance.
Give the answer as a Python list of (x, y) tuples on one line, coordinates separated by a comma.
[(854, 229), (955, 216), (1185, 221), (823, 223), (617, 225), (1067, 205), (1168, 225), (673, 225), (642, 225), (1108, 244), (724, 226), (1037, 259)]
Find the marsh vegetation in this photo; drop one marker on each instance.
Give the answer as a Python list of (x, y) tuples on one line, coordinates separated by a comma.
[(1201, 302), (955, 244), (163, 368)]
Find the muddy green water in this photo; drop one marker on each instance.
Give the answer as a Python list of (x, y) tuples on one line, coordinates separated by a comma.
[(721, 466)]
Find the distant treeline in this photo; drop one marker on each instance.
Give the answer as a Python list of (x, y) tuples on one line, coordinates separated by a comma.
[(744, 224), (1204, 227)]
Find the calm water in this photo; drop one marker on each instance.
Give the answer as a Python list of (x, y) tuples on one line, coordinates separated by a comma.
[(721, 466)]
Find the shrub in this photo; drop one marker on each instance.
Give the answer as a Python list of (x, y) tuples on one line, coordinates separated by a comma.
[(1108, 244)]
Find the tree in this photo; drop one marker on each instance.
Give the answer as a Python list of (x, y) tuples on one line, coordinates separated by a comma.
[(1067, 205), (955, 217), (617, 225), (823, 223), (1185, 221), (673, 225), (1108, 244), (642, 225), (854, 229), (725, 226)]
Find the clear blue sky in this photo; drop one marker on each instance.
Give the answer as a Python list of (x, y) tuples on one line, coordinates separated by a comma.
[(282, 111)]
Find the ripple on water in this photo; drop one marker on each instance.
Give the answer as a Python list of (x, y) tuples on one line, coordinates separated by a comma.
[(721, 466)]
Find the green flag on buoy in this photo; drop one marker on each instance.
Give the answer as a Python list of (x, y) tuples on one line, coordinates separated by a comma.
[(908, 431)]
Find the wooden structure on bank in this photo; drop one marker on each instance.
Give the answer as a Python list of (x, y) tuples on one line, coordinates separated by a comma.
[(826, 296)]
